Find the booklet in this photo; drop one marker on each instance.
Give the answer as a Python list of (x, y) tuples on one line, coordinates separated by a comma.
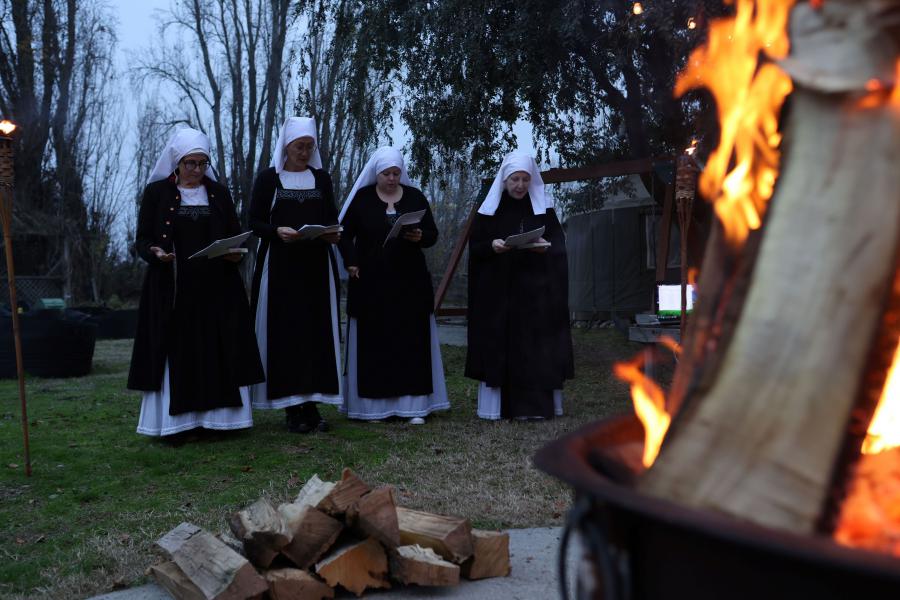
[(529, 239), (224, 246), (311, 232), (410, 218)]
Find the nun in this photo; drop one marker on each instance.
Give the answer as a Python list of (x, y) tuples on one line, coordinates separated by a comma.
[(519, 343), (194, 351), (393, 366), (295, 299)]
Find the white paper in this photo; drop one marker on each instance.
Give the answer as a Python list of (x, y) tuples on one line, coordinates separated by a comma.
[(534, 245), (410, 218), (520, 239), (223, 246), (311, 232)]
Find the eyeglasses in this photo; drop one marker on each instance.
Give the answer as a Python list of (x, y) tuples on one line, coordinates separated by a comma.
[(304, 147), (193, 165)]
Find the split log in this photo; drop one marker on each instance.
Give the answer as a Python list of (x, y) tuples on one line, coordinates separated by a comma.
[(490, 557), (375, 514), (762, 443), (421, 566), (216, 570), (356, 567), (262, 531), (314, 492), (294, 584), (170, 577), (451, 537), (347, 491), (313, 533)]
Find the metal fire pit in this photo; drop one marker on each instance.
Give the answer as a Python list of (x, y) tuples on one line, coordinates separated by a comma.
[(642, 547)]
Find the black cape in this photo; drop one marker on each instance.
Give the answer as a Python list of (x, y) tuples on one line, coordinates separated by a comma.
[(393, 298), (518, 332), (227, 357), (300, 341)]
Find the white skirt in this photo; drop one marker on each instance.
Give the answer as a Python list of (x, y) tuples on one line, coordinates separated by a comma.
[(489, 402), (156, 420), (259, 393), (373, 409)]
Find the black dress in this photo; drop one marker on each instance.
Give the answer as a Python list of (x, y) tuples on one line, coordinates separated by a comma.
[(518, 335), (194, 314), (301, 307), (390, 304)]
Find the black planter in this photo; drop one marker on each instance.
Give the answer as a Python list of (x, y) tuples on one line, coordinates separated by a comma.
[(111, 324), (646, 548), (54, 344)]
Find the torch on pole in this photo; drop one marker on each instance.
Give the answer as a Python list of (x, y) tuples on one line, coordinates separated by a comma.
[(7, 182)]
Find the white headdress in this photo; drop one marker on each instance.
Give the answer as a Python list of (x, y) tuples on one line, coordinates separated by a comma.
[(293, 128), (185, 141), (382, 159), (513, 163)]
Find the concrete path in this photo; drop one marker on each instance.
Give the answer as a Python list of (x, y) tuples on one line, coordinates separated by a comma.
[(533, 555), (452, 333)]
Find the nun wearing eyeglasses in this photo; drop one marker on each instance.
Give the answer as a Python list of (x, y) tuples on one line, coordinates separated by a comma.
[(519, 343), (393, 364), (194, 352), (295, 299)]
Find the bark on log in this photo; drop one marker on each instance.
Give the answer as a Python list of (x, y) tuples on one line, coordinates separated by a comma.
[(451, 537), (347, 491), (490, 557), (421, 566), (262, 531), (356, 567), (313, 533), (219, 572), (761, 443), (375, 514), (294, 584)]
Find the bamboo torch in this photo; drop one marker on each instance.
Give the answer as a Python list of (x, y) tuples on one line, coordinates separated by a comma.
[(7, 182)]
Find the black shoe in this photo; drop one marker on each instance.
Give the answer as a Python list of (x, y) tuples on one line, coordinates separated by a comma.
[(296, 421), (323, 426), (312, 417)]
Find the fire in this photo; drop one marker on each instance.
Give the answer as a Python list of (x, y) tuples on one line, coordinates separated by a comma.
[(638, 8), (740, 175), (884, 430), (649, 404), (7, 127)]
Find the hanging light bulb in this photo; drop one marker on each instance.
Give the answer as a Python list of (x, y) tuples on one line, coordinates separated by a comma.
[(637, 8), (691, 23)]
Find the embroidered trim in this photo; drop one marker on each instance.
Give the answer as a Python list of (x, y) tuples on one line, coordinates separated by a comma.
[(193, 212), (299, 196)]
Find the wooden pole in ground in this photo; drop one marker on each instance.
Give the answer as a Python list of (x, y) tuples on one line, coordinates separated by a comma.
[(7, 183)]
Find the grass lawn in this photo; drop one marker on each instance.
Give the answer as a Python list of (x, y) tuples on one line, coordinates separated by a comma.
[(100, 494)]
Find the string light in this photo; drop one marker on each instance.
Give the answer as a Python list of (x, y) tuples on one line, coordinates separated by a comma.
[(691, 23), (637, 8)]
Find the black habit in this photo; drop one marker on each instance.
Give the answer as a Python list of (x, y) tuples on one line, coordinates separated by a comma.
[(299, 337), (392, 300), (199, 323), (518, 334)]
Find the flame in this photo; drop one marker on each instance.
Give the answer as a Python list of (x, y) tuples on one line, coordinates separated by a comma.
[(884, 430), (670, 343), (692, 148), (638, 8), (692, 277), (7, 127), (740, 175), (649, 404)]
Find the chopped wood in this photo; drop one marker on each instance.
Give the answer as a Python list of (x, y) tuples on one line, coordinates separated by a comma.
[(262, 530), (451, 537), (759, 445), (356, 566), (421, 566), (375, 514), (170, 577), (347, 491), (490, 557), (295, 584), (216, 570), (313, 533), (314, 491)]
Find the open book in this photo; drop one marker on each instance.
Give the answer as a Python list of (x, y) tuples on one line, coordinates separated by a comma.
[(224, 246), (311, 232), (529, 239), (410, 218)]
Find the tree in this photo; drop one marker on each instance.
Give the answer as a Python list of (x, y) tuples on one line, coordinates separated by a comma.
[(592, 78)]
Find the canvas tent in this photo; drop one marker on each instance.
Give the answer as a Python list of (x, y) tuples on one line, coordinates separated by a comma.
[(612, 254)]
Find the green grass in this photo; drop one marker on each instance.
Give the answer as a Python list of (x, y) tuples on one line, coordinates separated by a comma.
[(100, 494)]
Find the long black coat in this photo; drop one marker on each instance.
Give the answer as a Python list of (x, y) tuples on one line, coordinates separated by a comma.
[(518, 302), (299, 287), (393, 298), (229, 300)]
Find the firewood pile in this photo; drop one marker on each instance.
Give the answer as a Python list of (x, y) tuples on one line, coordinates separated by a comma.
[(333, 534)]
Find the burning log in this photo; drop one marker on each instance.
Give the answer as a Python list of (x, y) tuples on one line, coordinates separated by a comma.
[(762, 442), (217, 571)]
